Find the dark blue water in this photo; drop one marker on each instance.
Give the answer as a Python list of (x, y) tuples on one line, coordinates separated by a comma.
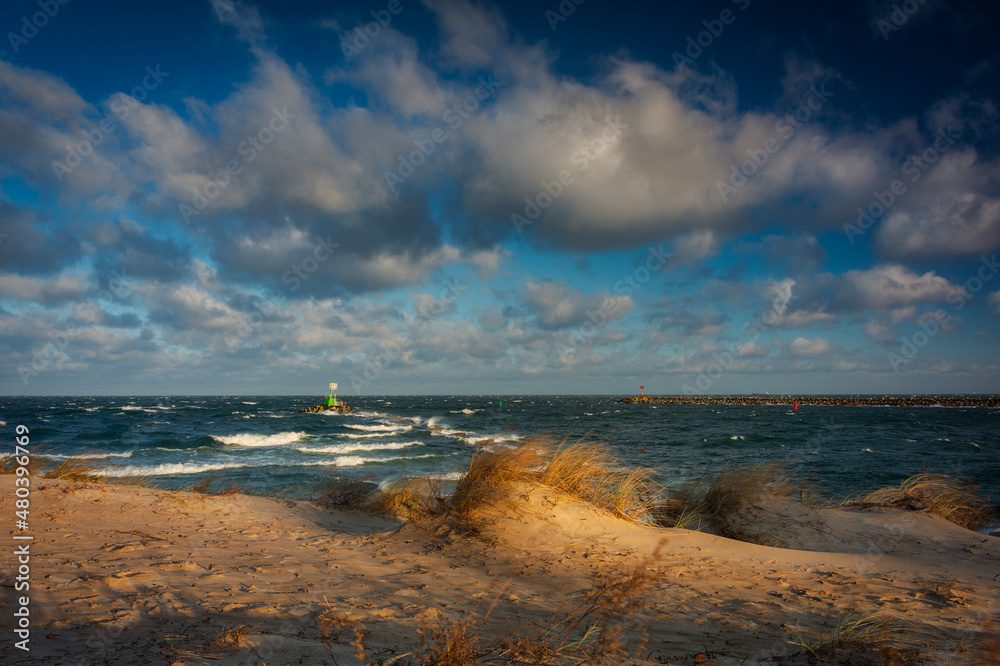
[(263, 444)]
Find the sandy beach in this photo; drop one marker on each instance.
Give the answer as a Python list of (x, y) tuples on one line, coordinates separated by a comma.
[(130, 575)]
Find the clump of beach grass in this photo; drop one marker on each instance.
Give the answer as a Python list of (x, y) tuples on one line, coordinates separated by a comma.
[(349, 494), (940, 494), (74, 469), (865, 637), (498, 480), (9, 465), (584, 470), (204, 487), (725, 502)]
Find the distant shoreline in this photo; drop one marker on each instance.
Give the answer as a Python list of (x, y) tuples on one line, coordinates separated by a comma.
[(824, 401)]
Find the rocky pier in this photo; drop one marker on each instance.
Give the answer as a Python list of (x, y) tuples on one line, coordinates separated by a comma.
[(826, 401)]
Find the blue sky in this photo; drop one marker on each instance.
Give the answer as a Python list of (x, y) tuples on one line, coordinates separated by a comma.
[(439, 196)]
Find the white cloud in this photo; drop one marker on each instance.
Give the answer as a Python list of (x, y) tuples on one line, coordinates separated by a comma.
[(891, 286), (60, 289), (753, 349), (557, 306), (805, 347), (994, 301), (954, 211)]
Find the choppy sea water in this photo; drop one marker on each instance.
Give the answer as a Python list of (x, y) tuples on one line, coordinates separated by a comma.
[(265, 445)]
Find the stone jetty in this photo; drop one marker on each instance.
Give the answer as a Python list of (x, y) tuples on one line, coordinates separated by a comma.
[(829, 400)]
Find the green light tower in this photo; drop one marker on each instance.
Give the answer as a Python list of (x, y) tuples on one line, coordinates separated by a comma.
[(332, 400)]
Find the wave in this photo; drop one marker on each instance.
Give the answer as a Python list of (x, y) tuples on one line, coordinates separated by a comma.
[(357, 461), (253, 440), (464, 411), (369, 435), (496, 438), (245, 402), (87, 456), (148, 410), (350, 448), (380, 428), (167, 469)]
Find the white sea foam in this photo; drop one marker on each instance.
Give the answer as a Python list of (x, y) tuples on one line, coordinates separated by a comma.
[(368, 435), (245, 402), (167, 468), (496, 437), (351, 448), (254, 440), (465, 411), (3, 423), (88, 456), (737, 437), (380, 428), (357, 461)]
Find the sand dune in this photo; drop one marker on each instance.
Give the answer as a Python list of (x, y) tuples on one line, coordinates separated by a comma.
[(138, 576)]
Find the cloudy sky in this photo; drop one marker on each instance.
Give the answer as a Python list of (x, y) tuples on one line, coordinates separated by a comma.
[(446, 196)]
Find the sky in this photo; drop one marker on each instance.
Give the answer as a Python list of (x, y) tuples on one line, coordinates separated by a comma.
[(465, 197)]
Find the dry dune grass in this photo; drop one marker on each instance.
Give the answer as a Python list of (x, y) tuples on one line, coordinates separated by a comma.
[(70, 469), (723, 502), (866, 638), (494, 482), (940, 494)]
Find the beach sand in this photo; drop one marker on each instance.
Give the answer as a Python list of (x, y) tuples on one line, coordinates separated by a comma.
[(130, 575)]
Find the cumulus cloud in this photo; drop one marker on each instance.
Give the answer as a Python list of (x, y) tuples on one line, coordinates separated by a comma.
[(753, 349), (890, 286), (63, 288), (805, 347), (955, 211), (994, 301), (556, 306)]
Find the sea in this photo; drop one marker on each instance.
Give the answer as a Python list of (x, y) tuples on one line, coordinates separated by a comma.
[(264, 445)]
